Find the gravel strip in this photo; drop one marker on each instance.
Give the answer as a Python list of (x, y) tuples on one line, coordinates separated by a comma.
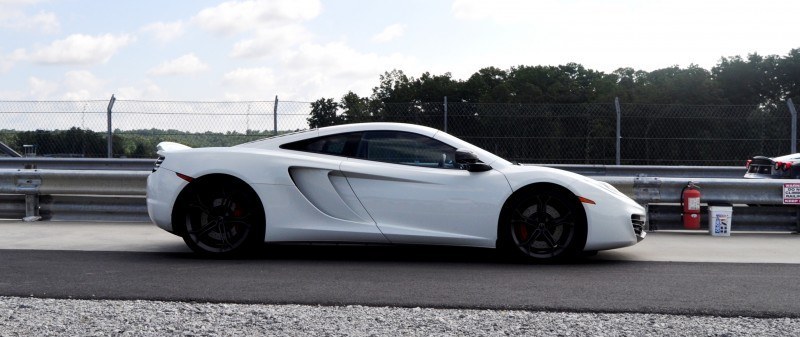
[(52, 317)]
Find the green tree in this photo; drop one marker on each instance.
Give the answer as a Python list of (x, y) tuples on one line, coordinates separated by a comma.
[(788, 76), (433, 88), (324, 113), (753, 80), (395, 87), (488, 85), (355, 109), (676, 85)]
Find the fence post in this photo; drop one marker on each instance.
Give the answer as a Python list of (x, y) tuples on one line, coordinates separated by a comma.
[(445, 113), (619, 127), (275, 117), (793, 111), (109, 136)]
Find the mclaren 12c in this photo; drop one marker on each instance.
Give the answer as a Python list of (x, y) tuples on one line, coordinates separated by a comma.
[(384, 183)]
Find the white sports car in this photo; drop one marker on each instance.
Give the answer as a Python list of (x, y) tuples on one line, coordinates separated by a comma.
[(382, 183)]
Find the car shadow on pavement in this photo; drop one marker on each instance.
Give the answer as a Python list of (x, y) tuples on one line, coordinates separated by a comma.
[(391, 253)]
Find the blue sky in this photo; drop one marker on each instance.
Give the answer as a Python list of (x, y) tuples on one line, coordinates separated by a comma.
[(302, 50)]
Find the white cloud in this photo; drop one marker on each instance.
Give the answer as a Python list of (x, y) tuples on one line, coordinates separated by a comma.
[(73, 85), (82, 79), (148, 91), (267, 42), (234, 17), (648, 35), (330, 70), (18, 2), (250, 83), (187, 64), (390, 33), (13, 17), (337, 58), (78, 49), (44, 22), (250, 77), (82, 85), (41, 89), (5, 63), (12, 95), (165, 32), (479, 10), (8, 61)]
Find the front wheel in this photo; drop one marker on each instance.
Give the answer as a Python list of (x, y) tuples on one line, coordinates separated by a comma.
[(544, 225), (222, 218)]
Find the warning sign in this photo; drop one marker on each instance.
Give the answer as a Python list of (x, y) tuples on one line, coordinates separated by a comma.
[(791, 194)]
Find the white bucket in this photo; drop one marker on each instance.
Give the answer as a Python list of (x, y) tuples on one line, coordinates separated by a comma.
[(719, 220)]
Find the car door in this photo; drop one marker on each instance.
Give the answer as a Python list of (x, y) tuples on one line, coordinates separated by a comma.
[(411, 187), (335, 214)]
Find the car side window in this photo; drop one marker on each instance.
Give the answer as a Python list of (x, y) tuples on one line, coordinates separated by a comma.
[(406, 148), (344, 144)]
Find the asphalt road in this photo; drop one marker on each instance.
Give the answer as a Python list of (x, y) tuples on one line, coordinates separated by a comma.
[(650, 277)]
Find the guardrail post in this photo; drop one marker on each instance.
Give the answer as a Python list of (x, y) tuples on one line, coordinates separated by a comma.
[(619, 128), (31, 206), (793, 111), (28, 182), (275, 117), (110, 107)]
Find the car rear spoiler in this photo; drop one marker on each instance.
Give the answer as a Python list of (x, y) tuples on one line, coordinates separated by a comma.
[(170, 146)]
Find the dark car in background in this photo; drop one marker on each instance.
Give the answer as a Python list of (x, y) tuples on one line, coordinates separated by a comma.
[(783, 167)]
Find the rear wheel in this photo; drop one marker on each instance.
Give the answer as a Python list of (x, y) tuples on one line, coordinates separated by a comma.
[(222, 218), (548, 224)]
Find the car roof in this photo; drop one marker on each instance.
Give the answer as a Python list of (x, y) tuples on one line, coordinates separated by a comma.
[(275, 141)]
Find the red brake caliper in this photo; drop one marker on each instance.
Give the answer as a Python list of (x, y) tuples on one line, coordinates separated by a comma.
[(523, 233)]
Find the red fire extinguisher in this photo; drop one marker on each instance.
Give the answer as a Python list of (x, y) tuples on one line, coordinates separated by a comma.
[(690, 200)]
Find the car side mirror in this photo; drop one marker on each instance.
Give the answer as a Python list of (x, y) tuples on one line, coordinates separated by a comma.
[(470, 162)]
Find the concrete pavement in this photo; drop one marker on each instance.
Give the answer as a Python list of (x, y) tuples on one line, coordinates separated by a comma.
[(658, 246)]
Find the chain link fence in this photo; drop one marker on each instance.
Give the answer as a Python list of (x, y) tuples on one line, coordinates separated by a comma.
[(528, 133)]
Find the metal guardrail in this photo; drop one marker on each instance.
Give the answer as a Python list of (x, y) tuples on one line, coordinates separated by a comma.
[(73, 195), (49, 182), (76, 208), (757, 203), (130, 164), (653, 171), (120, 196), (648, 190)]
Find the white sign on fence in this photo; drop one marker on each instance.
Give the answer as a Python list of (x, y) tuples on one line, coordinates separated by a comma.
[(791, 194)]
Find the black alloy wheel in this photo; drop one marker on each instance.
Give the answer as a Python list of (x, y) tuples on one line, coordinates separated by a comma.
[(223, 218), (546, 225)]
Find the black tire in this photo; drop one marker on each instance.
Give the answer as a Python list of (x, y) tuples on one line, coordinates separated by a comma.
[(547, 224), (222, 218)]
